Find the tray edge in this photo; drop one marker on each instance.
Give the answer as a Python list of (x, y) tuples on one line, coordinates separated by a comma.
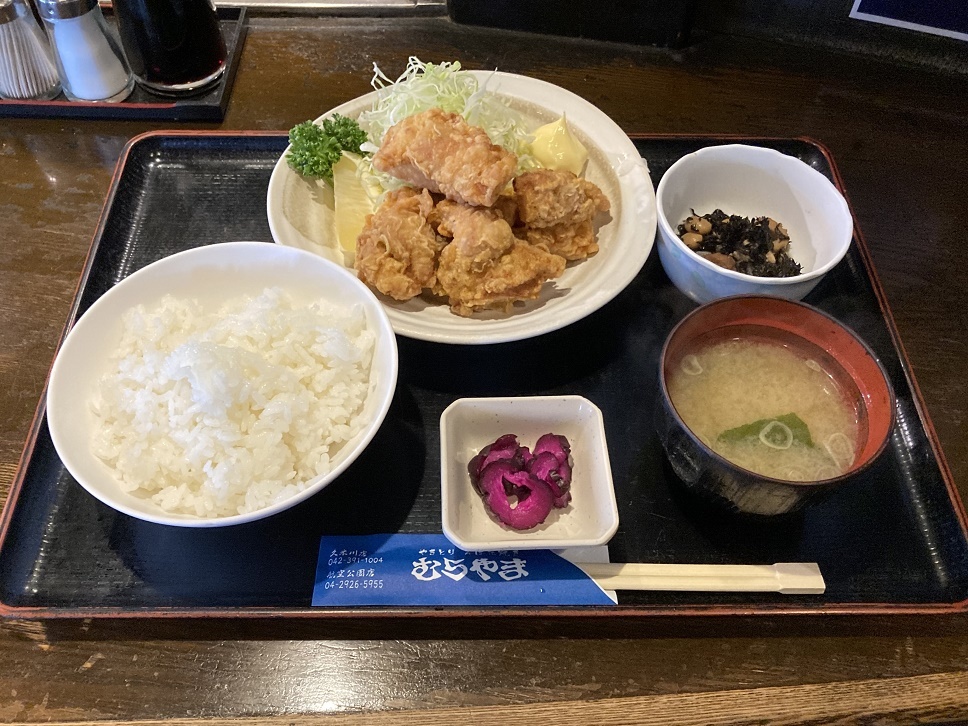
[(13, 612)]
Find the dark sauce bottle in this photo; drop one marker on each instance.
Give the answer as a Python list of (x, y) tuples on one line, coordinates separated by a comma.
[(173, 46)]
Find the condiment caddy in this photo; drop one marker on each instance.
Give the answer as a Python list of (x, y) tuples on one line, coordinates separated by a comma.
[(85, 29)]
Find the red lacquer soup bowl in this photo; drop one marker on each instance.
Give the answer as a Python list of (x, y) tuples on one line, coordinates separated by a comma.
[(805, 331)]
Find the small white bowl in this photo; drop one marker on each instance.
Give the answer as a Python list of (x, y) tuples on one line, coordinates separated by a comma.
[(470, 424), (210, 274), (752, 182)]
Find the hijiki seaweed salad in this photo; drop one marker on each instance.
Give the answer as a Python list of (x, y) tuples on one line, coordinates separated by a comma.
[(759, 247)]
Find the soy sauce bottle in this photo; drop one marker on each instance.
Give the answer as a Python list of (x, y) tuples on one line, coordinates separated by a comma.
[(174, 47)]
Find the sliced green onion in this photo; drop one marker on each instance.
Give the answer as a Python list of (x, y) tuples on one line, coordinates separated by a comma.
[(690, 365), (777, 435), (840, 450)]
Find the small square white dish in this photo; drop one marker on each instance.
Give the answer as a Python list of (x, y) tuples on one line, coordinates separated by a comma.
[(470, 424)]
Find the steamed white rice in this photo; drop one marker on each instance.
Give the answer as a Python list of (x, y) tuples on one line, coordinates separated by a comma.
[(227, 412)]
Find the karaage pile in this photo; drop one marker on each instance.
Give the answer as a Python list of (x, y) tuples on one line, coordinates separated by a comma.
[(485, 239)]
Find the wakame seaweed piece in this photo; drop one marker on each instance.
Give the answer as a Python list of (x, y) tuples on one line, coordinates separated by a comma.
[(801, 433)]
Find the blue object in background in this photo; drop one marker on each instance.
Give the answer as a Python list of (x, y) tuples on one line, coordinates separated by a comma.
[(426, 569), (940, 17)]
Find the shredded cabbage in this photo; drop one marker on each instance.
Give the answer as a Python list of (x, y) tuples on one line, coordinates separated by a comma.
[(423, 86)]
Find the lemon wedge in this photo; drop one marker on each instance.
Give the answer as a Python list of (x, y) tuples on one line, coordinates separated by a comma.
[(351, 204)]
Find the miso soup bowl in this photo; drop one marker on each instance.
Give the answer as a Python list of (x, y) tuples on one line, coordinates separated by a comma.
[(853, 366), (752, 182)]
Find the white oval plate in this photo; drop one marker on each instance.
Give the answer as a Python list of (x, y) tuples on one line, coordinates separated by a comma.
[(300, 215)]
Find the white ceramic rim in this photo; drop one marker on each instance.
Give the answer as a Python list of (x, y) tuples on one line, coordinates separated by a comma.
[(632, 242), (59, 371), (673, 236)]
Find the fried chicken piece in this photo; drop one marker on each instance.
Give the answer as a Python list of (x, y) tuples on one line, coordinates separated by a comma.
[(504, 207), (547, 198), (485, 266), (571, 241), (397, 250), (477, 229), (507, 206), (441, 152)]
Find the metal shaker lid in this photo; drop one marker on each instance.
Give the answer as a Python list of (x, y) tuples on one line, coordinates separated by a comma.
[(64, 9), (8, 13)]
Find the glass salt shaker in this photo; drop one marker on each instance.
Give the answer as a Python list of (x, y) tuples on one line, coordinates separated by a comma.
[(87, 51), (27, 70)]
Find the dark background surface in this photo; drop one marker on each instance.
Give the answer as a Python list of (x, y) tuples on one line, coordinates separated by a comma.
[(822, 24), (826, 24), (939, 14), (898, 133)]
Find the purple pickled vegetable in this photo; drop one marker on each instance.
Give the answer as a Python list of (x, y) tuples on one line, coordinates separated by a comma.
[(500, 481), (557, 476), (505, 447), (542, 465), (555, 444), (539, 480), (545, 466)]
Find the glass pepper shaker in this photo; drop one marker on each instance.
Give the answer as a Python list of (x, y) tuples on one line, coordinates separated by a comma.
[(27, 70), (88, 53)]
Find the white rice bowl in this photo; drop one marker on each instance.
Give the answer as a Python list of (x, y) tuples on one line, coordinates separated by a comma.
[(222, 384)]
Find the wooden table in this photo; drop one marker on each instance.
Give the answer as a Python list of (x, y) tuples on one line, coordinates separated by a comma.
[(900, 137)]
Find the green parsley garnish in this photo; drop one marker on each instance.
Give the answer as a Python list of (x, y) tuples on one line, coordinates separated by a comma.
[(314, 149)]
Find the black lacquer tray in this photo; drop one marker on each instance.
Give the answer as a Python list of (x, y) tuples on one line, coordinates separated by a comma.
[(208, 105), (893, 541)]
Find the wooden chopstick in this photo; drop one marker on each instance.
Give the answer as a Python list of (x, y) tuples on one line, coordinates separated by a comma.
[(787, 578)]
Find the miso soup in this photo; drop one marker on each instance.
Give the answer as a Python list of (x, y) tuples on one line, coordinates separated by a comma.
[(784, 410)]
